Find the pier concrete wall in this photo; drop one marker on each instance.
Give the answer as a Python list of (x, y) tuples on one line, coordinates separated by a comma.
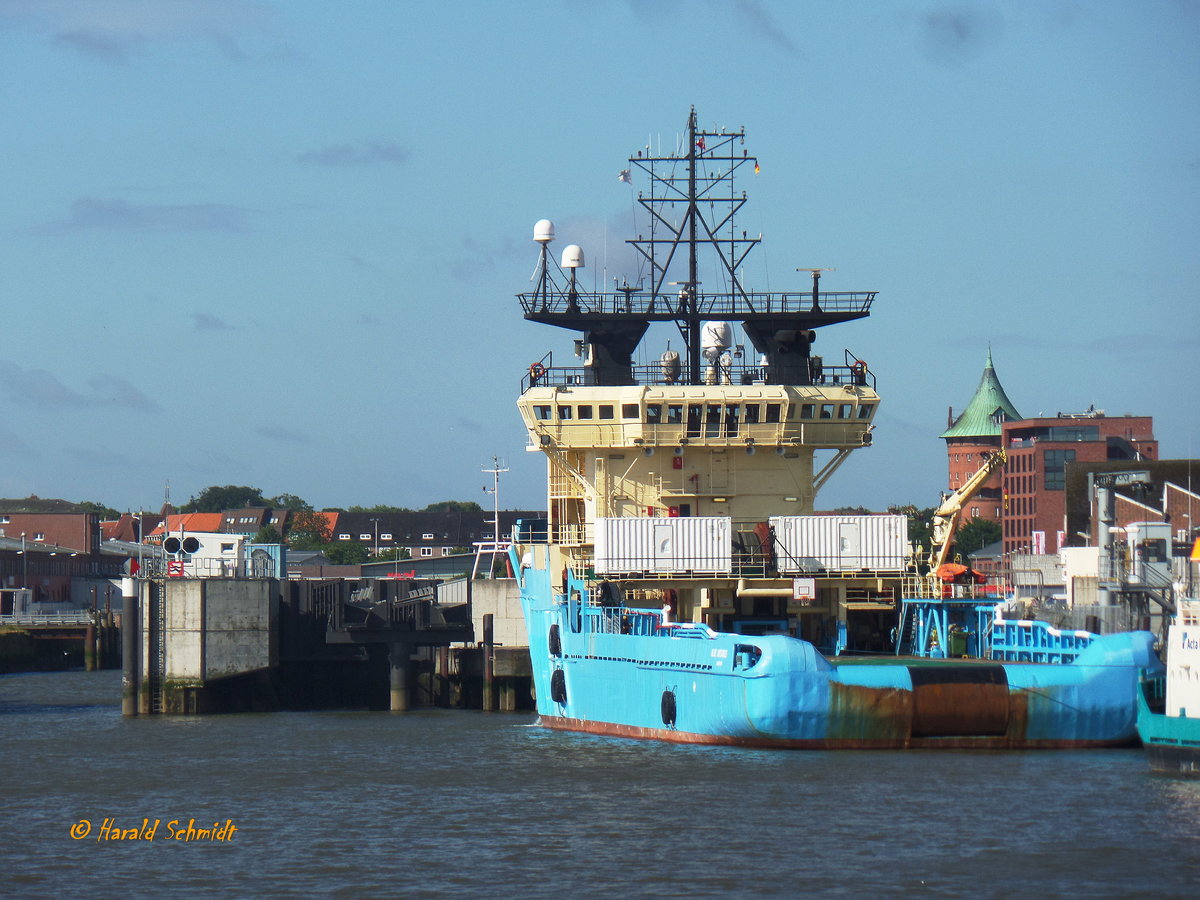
[(501, 598), (217, 628)]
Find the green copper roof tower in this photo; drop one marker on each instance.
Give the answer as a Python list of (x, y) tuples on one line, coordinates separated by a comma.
[(987, 410)]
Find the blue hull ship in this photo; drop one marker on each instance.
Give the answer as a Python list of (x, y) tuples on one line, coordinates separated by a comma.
[(682, 587)]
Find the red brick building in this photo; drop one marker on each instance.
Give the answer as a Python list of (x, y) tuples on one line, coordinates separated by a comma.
[(1039, 452)]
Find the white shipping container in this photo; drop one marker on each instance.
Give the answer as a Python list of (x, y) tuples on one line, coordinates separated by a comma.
[(840, 543), (685, 544)]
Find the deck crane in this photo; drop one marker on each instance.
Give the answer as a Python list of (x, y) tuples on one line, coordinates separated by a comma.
[(946, 517)]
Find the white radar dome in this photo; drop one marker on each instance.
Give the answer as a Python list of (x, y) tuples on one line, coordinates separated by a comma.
[(572, 257), (716, 335), (543, 231)]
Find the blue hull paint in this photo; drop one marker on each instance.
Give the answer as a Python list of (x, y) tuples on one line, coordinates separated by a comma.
[(790, 696), (1172, 743)]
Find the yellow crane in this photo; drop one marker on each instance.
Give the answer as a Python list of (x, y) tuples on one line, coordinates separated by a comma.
[(946, 517)]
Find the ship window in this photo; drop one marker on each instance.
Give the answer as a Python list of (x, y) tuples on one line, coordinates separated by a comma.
[(846, 411), (731, 421), (675, 414), (653, 413), (752, 411), (791, 412), (712, 420), (564, 413), (864, 411), (606, 411), (694, 414), (772, 413), (826, 410), (808, 411), (541, 413), (585, 411), (629, 411), (746, 656)]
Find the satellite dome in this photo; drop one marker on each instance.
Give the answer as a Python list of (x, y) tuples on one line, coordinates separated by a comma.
[(543, 231), (572, 257)]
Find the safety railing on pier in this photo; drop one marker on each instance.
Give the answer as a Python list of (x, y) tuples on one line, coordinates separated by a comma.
[(204, 567), (66, 617)]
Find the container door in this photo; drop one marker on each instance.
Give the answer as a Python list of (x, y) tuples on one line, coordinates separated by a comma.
[(664, 548), (848, 545)]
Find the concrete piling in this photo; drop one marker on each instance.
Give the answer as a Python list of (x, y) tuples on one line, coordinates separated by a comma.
[(89, 648), (400, 664)]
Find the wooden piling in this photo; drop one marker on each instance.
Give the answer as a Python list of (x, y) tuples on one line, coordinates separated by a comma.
[(89, 648)]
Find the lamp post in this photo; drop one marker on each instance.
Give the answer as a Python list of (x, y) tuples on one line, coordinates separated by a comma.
[(376, 521), (24, 564)]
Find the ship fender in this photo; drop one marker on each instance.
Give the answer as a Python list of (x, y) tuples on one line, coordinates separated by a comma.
[(555, 641), (558, 686), (668, 708)]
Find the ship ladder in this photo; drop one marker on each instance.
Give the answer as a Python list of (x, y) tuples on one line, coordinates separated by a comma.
[(158, 646)]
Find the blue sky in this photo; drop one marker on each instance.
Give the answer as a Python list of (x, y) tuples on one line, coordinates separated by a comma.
[(278, 243)]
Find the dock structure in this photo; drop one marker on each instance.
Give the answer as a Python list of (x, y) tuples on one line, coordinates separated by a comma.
[(228, 644)]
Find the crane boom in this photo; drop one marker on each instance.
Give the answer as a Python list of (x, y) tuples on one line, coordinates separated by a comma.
[(946, 517)]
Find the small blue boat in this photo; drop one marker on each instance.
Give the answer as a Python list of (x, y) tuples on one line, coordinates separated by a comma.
[(1168, 720)]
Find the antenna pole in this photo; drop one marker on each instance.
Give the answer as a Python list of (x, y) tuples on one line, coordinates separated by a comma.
[(693, 318), (495, 471)]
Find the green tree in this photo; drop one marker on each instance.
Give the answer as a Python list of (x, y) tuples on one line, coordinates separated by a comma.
[(394, 553), (380, 508), (268, 534), (453, 506), (218, 499), (106, 513), (347, 553), (289, 501), (308, 531), (974, 534)]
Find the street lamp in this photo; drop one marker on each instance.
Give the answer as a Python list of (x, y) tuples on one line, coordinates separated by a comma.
[(376, 521), (24, 564)]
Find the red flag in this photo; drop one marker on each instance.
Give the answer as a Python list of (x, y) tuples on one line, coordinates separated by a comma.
[(700, 143)]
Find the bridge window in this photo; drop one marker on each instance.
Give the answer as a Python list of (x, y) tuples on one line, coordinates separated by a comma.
[(846, 411), (564, 413), (808, 411), (541, 413), (826, 410), (712, 420), (629, 411), (694, 414), (773, 410), (731, 420), (675, 414), (585, 411), (752, 413), (864, 411), (606, 411), (653, 413)]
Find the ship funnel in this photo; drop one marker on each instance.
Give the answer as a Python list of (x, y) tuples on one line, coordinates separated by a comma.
[(572, 257), (543, 231)]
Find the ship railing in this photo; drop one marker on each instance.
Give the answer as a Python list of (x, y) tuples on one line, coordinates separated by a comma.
[(208, 567), (711, 306), (653, 374), (591, 433)]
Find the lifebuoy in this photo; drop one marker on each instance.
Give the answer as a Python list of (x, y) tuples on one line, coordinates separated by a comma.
[(536, 371), (859, 367)]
